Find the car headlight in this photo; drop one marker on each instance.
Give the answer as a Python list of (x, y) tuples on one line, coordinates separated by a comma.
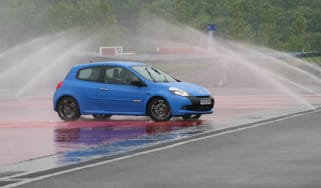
[(178, 91)]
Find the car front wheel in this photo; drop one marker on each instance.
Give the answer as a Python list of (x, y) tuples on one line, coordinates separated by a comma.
[(68, 109), (159, 109)]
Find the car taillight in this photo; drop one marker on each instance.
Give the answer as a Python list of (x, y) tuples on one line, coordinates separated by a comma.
[(59, 84)]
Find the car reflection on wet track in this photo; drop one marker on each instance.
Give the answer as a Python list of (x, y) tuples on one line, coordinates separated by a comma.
[(114, 137), (23, 141), (107, 134)]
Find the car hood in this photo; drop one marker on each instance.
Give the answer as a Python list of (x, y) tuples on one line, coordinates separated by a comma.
[(192, 89)]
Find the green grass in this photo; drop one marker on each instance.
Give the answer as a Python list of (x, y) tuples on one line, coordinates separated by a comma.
[(316, 60)]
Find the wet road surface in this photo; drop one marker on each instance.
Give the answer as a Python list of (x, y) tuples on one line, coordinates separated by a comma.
[(34, 139), (283, 153), (30, 129)]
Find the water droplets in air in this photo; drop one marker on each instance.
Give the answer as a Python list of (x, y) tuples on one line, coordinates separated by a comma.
[(33, 68)]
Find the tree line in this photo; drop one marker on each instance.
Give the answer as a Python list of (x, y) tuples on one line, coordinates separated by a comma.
[(288, 25)]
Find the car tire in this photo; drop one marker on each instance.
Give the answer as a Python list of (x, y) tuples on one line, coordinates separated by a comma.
[(101, 116), (192, 116), (68, 109), (159, 109)]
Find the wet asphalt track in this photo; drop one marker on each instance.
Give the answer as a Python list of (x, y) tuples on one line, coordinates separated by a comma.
[(30, 129), (37, 143), (283, 153)]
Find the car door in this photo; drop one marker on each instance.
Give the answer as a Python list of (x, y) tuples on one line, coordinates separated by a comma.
[(119, 94), (88, 81)]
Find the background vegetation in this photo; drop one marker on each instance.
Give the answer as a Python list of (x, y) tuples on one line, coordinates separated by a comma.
[(288, 25)]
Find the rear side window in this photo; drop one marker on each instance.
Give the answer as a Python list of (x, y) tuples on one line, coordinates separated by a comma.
[(118, 75), (92, 74)]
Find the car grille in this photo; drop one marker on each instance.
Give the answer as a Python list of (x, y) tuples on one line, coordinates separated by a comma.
[(196, 104)]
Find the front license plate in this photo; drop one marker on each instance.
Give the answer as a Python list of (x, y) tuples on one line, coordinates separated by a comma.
[(206, 101)]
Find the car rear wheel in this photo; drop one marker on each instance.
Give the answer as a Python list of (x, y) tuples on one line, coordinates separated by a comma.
[(159, 109), (68, 109), (191, 117)]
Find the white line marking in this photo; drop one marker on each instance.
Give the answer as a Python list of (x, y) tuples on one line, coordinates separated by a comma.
[(26, 181)]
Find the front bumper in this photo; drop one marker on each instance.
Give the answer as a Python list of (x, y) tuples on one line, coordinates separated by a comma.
[(198, 105), (193, 105)]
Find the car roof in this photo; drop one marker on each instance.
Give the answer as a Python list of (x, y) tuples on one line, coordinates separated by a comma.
[(110, 63)]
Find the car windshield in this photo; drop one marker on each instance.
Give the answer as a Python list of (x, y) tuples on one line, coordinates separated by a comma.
[(153, 74)]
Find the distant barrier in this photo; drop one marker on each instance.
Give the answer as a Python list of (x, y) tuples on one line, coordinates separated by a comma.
[(113, 51), (119, 51), (306, 54)]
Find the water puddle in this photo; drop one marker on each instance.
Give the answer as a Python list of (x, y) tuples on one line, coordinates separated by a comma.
[(85, 143)]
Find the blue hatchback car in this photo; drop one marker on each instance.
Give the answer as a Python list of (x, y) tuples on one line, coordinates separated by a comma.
[(104, 89)]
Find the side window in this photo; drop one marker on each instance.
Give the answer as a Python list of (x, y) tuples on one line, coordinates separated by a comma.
[(90, 74), (112, 75), (84, 74), (119, 75)]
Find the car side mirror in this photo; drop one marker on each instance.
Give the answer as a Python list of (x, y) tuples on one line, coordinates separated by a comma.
[(138, 83)]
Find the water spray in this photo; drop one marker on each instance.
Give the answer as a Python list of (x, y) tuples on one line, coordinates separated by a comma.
[(211, 28)]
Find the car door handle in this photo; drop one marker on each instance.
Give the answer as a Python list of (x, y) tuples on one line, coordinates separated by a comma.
[(103, 89)]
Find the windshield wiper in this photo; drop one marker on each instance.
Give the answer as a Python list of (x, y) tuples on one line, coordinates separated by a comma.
[(150, 74), (161, 74)]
